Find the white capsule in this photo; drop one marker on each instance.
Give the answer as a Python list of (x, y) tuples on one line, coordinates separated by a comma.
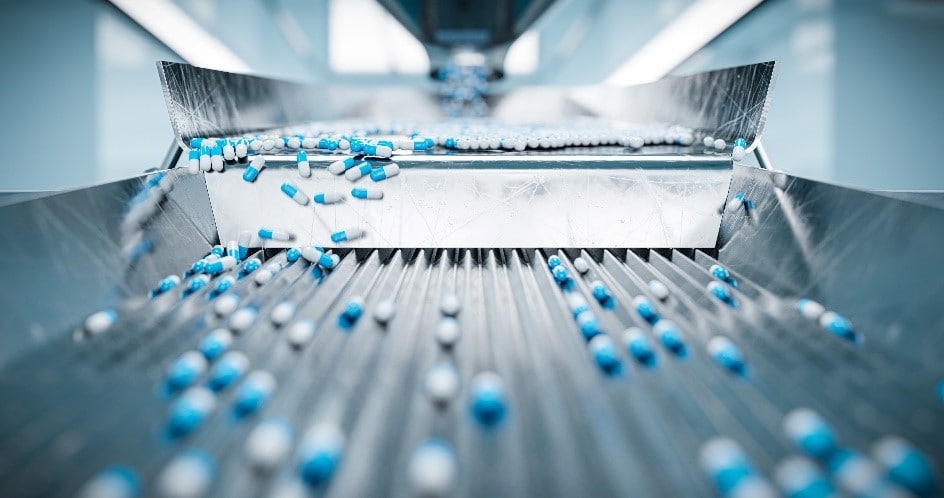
[(268, 144), (383, 151), (737, 153), (658, 289), (225, 304), (282, 313), (255, 145), (229, 152), (309, 142), (450, 305), (100, 322), (442, 383), (581, 265), (294, 143), (269, 444), (115, 482), (187, 476), (432, 469), (242, 319), (216, 163), (448, 331), (301, 333), (344, 144), (296, 194), (384, 311), (263, 276), (719, 144), (241, 149)]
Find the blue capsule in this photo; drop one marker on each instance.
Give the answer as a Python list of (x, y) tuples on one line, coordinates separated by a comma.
[(488, 399), (116, 481), (320, 453), (810, 433), (217, 250), (740, 142), (589, 325), (317, 256), (185, 370), (645, 309), (726, 354), (198, 266), (347, 235), (725, 463), (553, 262), (222, 285), (384, 172), (189, 411), (253, 393), (722, 293), (367, 193), (605, 355), (599, 291), (799, 477), (215, 343), (293, 254), (905, 465), (670, 337), (228, 370), (225, 263), (254, 168), (251, 266), (561, 275), (838, 325), (638, 346), (340, 166), (352, 312), (195, 284), (167, 283)]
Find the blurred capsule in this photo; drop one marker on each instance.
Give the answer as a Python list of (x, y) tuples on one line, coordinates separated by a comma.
[(384, 311), (670, 337), (645, 309), (188, 475), (905, 465), (810, 433), (637, 345), (242, 319), (447, 332), (185, 370), (100, 322), (189, 411), (442, 383), (838, 325), (450, 305), (553, 261), (658, 289), (809, 308), (721, 292), (725, 463), (114, 482), (293, 254), (320, 453), (269, 444), (225, 305), (726, 354), (216, 343), (604, 354), (253, 392), (282, 313), (488, 398), (799, 477), (432, 469), (300, 333), (228, 370)]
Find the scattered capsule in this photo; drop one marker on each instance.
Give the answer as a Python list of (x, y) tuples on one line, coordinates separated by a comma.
[(195, 284), (269, 444), (576, 303), (367, 193), (799, 477), (450, 305), (251, 266), (858, 475), (316, 256), (232, 250), (205, 163), (328, 197), (448, 332), (282, 313), (670, 337), (228, 370), (225, 263), (488, 398), (266, 233), (293, 192), (726, 353), (254, 168), (725, 463), (347, 235), (810, 309), (810, 433), (114, 482), (378, 150), (721, 292), (638, 346), (838, 326), (384, 311), (737, 201), (320, 453), (553, 261), (360, 170), (293, 254), (242, 319), (905, 465), (442, 383), (599, 291), (352, 312), (581, 266), (185, 370), (188, 475), (340, 166), (604, 354), (300, 333), (189, 411), (253, 392), (100, 322), (241, 149), (193, 165), (217, 250), (589, 325), (561, 276), (645, 309), (658, 289), (304, 169), (216, 343), (226, 305), (245, 238), (387, 171), (433, 469)]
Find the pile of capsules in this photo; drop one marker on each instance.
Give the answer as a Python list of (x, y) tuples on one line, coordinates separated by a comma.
[(893, 467)]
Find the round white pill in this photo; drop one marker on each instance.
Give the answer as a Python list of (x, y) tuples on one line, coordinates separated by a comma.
[(658, 289), (450, 305), (282, 313), (442, 383), (384, 311), (226, 304), (581, 265), (432, 469), (448, 332), (301, 333), (269, 444)]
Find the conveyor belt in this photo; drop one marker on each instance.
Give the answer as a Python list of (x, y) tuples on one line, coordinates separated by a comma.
[(571, 430)]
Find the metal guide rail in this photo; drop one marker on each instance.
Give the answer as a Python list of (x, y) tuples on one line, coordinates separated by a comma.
[(578, 411)]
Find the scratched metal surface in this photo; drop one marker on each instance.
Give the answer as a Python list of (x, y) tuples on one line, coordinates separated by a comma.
[(489, 200)]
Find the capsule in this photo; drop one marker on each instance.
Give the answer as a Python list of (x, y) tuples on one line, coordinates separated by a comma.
[(304, 169), (327, 143), (282, 313), (726, 354), (251, 266), (352, 312), (561, 276), (205, 163), (253, 392), (359, 171), (167, 283), (229, 151), (589, 325), (215, 344), (266, 233), (638, 346), (340, 166), (116, 481), (441, 383), (838, 326), (232, 250), (241, 149), (432, 469), (100, 322), (293, 254), (242, 319), (228, 370), (720, 272), (320, 453), (189, 411), (448, 332), (316, 256), (185, 370), (263, 276), (225, 305), (658, 289), (725, 463), (328, 197), (670, 337), (300, 333), (810, 309), (269, 444), (384, 311), (188, 475), (367, 193), (576, 303), (388, 171), (721, 292), (645, 309), (553, 261), (799, 477), (217, 250), (245, 238), (488, 399), (252, 170), (193, 165), (604, 354), (378, 150), (450, 305), (223, 284), (858, 475), (292, 191), (810, 433), (599, 291), (195, 284), (347, 235), (225, 263), (905, 465), (581, 266), (216, 158), (737, 201)]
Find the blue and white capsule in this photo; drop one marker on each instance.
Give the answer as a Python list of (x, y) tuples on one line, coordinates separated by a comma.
[(725, 463), (269, 444), (217, 250), (560, 274), (352, 312), (116, 481), (603, 351), (196, 283), (328, 197), (222, 285), (576, 303), (216, 158), (226, 305), (189, 411), (553, 261), (245, 239), (304, 168), (722, 293), (599, 291), (293, 192), (670, 337), (810, 433), (167, 283), (216, 343), (838, 325), (433, 469), (254, 168), (242, 319), (293, 254), (205, 163), (387, 171), (367, 193), (378, 150), (232, 250), (320, 453), (488, 403), (589, 325), (645, 309), (810, 309), (251, 266), (637, 345), (316, 256), (231, 367), (185, 370), (340, 166), (193, 165), (267, 233), (737, 201), (188, 475), (905, 465), (253, 392), (356, 172), (726, 354), (800, 477), (347, 235), (226, 263)]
